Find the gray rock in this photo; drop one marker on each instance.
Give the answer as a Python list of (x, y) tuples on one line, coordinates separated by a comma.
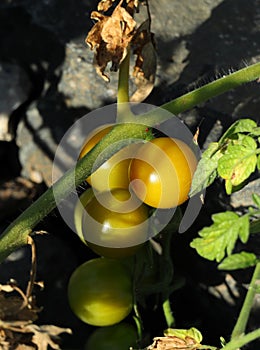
[(15, 88), (32, 135), (79, 82), (243, 199)]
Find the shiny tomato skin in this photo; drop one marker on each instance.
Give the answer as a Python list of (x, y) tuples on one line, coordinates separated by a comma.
[(162, 171), (115, 224), (84, 198), (100, 292), (114, 172), (121, 336)]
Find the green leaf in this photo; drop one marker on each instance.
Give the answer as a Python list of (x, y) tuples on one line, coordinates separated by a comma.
[(238, 162), (240, 126), (220, 238), (206, 171), (255, 226), (256, 199), (241, 260), (255, 132), (193, 333)]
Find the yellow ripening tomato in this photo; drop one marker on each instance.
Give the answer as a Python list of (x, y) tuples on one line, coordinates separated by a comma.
[(100, 292), (114, 172), (161, 172), (115, 223)]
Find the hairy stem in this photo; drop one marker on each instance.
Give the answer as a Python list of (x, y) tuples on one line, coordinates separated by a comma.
[(16, 234), (206, 92), (241, 323)]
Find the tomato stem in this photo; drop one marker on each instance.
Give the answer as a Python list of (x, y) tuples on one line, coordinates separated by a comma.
[(242, 320), (123, 108), (170, 321), (204, 93), (123, 80), (237, 343), (139, 327)]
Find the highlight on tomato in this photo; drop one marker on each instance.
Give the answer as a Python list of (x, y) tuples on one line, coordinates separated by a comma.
[(115, 223), (161, 172), (114, 172), (100, 292), (121, 336)]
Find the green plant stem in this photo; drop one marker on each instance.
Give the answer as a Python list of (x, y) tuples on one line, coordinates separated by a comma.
[(204, 93), (237, 343), (123, 108), (242, 320), (16, 234), (123, 80), (167, 269), (170, 321)]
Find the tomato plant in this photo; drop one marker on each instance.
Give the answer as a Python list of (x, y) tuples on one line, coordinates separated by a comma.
[(114, 172), (161, 172), (100, 292), (118, 337), (115, 223)]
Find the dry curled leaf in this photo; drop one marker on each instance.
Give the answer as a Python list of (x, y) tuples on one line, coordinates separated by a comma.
[(145, 65), (173, 343), (104, 5), (16, 307), (109, 38), (46, 335), (132, 6), (18, 311)]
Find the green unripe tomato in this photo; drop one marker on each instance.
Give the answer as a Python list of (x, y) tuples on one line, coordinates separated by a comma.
[(100, 292), (118, 337)]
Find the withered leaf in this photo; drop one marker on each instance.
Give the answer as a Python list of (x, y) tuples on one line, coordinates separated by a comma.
[(146, 60), (46, 335), (8, 288), (109, 38), (173, 343), (11, 308), (104, 5), (132, 6)]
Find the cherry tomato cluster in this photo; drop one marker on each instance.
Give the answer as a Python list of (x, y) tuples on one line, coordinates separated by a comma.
[(111, 217)]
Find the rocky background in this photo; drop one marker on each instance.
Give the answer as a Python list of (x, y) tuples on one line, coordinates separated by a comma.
[(47, 82)]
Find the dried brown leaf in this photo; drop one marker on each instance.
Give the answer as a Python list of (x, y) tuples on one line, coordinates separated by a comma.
[(109, 38), (104, 5), (8, 288), (24, 347), (132, 6), (173, 343), (46, 335), (145, 65)]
